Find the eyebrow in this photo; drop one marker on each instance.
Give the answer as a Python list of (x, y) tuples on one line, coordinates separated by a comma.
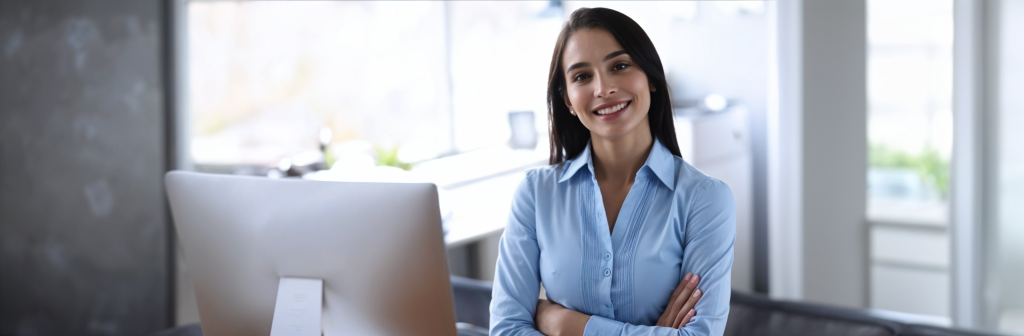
[(606, 58)]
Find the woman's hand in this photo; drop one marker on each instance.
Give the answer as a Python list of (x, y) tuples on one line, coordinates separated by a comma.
[(680, 306), (554, 320)]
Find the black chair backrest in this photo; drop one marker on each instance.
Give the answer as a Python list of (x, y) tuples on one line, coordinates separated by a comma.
[(472, 301), (756, 315)]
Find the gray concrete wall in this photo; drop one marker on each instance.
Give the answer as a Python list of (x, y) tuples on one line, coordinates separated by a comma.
[(834, 163), (83, 223)]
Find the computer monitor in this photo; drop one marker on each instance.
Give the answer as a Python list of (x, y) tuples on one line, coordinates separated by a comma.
[(378, 247)]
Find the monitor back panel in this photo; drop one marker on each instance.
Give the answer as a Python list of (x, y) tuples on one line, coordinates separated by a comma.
[(378, 247)]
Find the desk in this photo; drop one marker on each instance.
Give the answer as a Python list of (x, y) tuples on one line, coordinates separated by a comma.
[(478, 217), (475, 189), (480, 209)]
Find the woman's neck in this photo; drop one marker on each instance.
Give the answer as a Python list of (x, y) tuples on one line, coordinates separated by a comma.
[(618, 160)]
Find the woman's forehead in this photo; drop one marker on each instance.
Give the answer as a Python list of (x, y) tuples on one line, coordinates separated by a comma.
[(589, 45)]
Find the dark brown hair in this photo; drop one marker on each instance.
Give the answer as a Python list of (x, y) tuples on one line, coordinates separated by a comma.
[(568, 135)]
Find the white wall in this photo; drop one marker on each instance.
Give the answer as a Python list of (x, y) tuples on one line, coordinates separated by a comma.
[(1005, 259), (725, 51)]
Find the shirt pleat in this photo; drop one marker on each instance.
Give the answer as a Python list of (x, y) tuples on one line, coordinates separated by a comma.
[(590, 270), (622, 291)]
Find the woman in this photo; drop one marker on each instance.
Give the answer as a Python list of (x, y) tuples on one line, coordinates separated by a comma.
[(619, 229)]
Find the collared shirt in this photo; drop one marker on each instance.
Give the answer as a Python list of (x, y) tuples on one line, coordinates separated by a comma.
[(674, 220)]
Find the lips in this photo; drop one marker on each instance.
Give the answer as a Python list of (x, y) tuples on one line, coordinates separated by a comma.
[(612, 108)]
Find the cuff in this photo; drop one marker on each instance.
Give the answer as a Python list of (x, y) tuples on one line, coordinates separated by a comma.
[(599, 326)]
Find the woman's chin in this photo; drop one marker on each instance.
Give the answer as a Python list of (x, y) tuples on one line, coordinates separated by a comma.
[(618, 131), (611, 134)]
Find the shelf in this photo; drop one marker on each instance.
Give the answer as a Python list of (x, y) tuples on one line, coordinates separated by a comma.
[(925, 215)]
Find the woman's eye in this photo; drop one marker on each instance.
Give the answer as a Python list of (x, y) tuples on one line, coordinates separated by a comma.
[(620, 66), (581, 77)]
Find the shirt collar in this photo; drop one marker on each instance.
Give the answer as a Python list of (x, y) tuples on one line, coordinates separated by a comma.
[(660, 162), (574, 165)]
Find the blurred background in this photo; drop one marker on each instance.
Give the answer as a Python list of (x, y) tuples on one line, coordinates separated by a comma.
[(872, 145)]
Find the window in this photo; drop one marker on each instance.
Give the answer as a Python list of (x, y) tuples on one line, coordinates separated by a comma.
[(500, 57), (266, 77), (910, 71), (400, 82)]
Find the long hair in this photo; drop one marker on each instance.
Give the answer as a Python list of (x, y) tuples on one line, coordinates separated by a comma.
[(568, 135)]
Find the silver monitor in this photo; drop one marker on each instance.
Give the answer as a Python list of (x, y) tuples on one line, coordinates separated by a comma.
[(378, 247)]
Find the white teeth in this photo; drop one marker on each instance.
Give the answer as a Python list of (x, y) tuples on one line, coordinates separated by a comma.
[(613, 109)]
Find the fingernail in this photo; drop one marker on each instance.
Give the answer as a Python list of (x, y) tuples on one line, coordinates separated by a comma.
[(687, 277), (693, 279), (695, 293), (692, 312)]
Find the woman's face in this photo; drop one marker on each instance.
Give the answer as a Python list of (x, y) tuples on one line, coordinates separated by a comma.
[(606, 89)]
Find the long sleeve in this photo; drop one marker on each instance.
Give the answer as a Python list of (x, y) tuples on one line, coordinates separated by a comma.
[(517, 274), (710, 233)]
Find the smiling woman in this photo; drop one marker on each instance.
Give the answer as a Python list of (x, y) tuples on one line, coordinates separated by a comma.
[(625, 236), (635, 57)]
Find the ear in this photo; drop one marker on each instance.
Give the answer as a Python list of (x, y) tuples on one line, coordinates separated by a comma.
[(653, 88), (568, 104)]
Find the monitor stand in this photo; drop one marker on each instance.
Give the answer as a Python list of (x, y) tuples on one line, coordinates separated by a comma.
[(299, 307)]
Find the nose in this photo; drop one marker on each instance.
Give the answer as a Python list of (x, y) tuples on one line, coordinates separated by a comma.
[(605, 86)]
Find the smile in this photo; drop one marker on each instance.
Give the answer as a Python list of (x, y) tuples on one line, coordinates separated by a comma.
[(613, 109)]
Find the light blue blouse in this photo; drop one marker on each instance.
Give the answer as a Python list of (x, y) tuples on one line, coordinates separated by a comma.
[(674, 220)]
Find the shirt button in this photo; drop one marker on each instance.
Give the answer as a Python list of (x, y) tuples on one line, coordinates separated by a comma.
[(607, 256), (607, 272)]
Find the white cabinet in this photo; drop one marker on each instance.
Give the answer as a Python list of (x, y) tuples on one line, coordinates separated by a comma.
[(910, 257), (719, 145)]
